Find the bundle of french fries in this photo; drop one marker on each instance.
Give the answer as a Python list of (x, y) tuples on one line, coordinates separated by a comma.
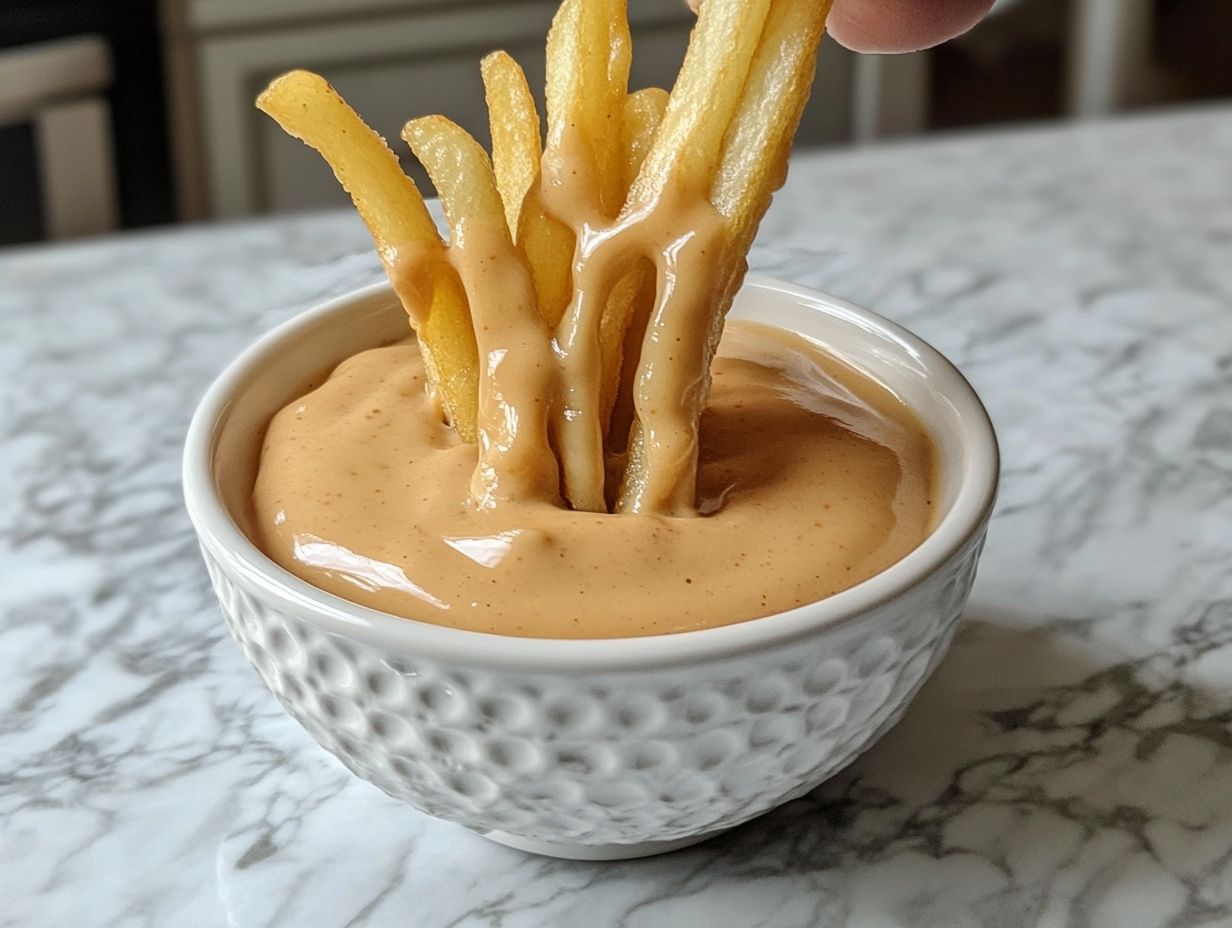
[(564, 213)]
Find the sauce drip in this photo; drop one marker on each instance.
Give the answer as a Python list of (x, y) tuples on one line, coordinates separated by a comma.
[(544, 413), (811, 478)]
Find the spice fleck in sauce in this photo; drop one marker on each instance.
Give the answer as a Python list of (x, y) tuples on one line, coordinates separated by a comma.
[(811, 478)]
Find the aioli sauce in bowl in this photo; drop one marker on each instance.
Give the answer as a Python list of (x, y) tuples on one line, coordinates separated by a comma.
[(812, 477)]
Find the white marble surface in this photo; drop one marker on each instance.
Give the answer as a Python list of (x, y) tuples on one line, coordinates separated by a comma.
[(1070, 764)]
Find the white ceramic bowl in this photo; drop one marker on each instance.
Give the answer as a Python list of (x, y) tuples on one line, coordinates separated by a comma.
[(595, 749)]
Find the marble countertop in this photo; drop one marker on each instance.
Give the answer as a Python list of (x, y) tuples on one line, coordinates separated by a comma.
[(1069, 765)]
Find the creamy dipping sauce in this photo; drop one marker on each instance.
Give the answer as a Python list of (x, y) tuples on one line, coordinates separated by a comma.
[(812, 478)]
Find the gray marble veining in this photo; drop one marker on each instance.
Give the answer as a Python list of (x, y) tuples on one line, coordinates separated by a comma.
[(1070, 764)]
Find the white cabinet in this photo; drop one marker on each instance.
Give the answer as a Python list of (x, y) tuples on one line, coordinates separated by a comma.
[(392, 59)]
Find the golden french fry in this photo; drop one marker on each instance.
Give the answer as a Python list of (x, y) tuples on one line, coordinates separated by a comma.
[(621, 347), (763, 114), (633, 294), (594, 346), (588, 58), (683, 157), (460, 170), (514, 123), (549, 247), (754, 162), (632, 297), (515, 455), (705, 159), (686, 149), (622, 306), (451, 358), (587, 80), (643, 113), (308, 108), (682, 160), (755, 152)]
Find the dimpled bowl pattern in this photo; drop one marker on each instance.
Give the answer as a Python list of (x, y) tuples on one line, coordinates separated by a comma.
[(609, 755), (604, 759)]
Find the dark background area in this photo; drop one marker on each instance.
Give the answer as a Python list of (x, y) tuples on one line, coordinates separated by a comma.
[(1011, 68), (139, 112)]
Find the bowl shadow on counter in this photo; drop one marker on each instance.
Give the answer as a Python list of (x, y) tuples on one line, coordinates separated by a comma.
[(1024, 739)]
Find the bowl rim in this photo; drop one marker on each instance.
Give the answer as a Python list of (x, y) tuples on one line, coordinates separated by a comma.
[(240, 558)]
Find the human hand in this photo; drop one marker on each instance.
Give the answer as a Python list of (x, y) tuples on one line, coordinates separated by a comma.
[(886, 26)]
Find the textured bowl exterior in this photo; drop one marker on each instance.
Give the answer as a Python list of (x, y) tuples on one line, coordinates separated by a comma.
[(618, 758), (602, 748)]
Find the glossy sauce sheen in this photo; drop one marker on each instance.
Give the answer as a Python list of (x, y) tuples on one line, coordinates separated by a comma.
[(812, 478)]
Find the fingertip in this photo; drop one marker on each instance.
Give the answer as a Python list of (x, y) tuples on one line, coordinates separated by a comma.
[(892, 26)]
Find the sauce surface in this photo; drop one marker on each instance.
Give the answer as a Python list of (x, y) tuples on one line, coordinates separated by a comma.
[(812, 478)]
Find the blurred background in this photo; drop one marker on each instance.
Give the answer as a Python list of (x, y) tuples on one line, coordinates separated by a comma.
[(127, 113)]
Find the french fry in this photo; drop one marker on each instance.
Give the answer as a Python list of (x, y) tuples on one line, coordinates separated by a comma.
[(308, 108), (451, 358), (633, 296), (634, 293), (621, 332), (621, 307), (514, 123), (763, 114), (687, 147), (643, 113), (548, 245), (682, 160), (588, 58), (463, 176), (754, 162), (568, 317), (516, 460), (460, 170)]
